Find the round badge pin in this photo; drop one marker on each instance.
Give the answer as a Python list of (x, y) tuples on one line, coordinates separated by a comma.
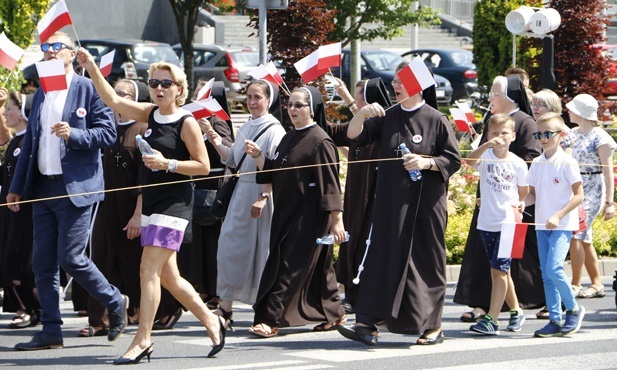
[(417, 139), (16, 152), (148, 132), (81, 112)]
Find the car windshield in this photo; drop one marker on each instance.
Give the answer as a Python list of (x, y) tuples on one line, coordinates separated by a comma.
[(383, 61), (245, 58), (154, 53)]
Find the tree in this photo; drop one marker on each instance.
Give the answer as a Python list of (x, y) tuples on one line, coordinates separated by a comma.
[(387, 16), (186, 13), (18, 19)]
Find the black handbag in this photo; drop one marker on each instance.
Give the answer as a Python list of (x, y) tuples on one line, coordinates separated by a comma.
[(223, 195)]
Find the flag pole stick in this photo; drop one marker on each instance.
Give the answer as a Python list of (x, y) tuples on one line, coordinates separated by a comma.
[(6, 82), (286, 89)]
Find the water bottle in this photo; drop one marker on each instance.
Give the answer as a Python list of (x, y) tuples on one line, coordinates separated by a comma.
[(415, 175), (329, 239), (144, 147)]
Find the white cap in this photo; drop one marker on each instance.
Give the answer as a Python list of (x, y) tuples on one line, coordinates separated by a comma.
[(584, 105)]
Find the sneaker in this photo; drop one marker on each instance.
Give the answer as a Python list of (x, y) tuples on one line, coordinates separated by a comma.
[(574, 319), (485, 326), (516, 321), (552, 329)]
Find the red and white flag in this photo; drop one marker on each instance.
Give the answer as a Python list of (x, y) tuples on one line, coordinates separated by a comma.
[(213, 108), (512, 242), (197, 110), (274, 72), (10, 54), (107, 61), (206, 90), (416, 77), (308, 67), (52, 75), (262, 73), (329, 55), (464, 107), (460, 120), (55, 18)]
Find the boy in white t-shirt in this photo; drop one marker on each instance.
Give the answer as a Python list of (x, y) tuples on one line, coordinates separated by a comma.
[(503, 185), (555, 179)]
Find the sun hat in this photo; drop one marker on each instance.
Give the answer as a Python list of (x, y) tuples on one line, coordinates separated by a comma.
[(584, 105)]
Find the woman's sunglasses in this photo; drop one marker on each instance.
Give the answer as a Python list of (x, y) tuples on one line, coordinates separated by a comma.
[(296, 105), (56, 46), (547, 134), (166, 83)]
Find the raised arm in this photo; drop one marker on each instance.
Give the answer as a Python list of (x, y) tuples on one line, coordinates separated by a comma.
[(357, 122)]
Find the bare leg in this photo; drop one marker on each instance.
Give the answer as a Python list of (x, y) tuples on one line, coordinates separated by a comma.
[(591, 263), (511, 298), (498, 292), (577, 259)]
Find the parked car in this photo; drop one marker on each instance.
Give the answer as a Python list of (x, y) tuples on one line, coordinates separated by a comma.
[(227, 63), (454, 64), (132, 59), (383, 63)]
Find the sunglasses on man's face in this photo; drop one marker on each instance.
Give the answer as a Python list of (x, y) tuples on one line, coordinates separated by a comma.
[(55, 46), (166, 83), (547, 134)]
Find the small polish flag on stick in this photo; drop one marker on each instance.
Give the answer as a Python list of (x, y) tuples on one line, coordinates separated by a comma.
[(416, 77), (274, 72), (329, 56), (52, 75), (214, 108), (197, 110), (308, 67), (262, 73), (512, 241), (460, 120), (107, 61), (56, 18), (206, 90), (10, 54), (464, 107)]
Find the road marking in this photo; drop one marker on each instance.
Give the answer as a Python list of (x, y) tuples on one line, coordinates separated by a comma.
[(580, 361), (257, 365)]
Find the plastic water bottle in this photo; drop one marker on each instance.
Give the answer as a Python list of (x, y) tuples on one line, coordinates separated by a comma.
[(415, 175), (329, 239), (144, 147)]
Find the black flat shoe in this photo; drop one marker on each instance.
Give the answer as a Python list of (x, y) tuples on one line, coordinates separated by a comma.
[(362, 334), (135, 360), (118, 320), (219, 347), (424, 340)]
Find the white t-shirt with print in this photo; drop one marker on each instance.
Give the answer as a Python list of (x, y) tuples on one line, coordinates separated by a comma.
[(499, 182)]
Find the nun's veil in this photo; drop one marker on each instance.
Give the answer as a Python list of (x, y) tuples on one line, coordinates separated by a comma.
[(318, 110), (515, 90), (375, 91)]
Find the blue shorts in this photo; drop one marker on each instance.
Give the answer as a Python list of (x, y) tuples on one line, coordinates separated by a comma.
[(490, 240)]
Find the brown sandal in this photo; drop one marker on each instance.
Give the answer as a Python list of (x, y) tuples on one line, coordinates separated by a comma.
[(264, 331), (327, 326)]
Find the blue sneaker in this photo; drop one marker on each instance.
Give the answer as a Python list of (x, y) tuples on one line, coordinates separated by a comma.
[(574, 319), (552, 329), (516, 321), (485, 326)]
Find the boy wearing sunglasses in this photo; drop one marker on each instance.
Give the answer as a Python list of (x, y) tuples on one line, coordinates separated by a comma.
[(555, 180), (503, 185)]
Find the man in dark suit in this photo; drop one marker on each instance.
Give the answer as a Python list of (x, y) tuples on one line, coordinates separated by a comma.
[(61, 163)]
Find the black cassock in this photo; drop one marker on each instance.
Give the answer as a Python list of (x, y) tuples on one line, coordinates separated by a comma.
[(298, 285), (403, 285)]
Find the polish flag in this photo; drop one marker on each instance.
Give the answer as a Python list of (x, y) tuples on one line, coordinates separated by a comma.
[(214, 107), (512, 242), (416, 77), (206, 90), (106, 63), (308, 67), (197, 110), (274, 72), (52, 75), (262, 73), (460, 120), (10, 54), (464, 107), (56, 18), (329, 55)]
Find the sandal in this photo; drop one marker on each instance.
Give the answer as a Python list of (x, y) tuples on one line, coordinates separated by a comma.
[(264, 331), (327, 326), (211, 301), (25, 321), (169, 323), (425, 340), (593, 292), (577, 290), (93, 331), (542, 314), (473, 316)]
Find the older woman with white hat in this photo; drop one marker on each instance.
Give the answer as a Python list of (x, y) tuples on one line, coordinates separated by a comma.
[(593, 150)]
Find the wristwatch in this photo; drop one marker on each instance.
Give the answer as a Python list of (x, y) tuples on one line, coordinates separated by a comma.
[(265, 195)]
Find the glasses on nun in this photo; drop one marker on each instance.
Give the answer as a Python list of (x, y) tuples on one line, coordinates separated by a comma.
[(547, 134), (55, 46), (296, 105), (494, 95), (123, 94), (166, 83)]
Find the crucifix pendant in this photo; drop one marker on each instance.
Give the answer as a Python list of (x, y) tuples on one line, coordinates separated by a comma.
[(118, 158)]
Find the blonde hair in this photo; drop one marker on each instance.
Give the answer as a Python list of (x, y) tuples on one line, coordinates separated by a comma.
[(501, 119), (548, 98), (177, 75), (552, 117)]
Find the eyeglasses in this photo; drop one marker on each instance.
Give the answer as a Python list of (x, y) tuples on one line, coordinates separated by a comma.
[(396, 82), (296, 105), (538, 105), (493, 95), (56, 46), (166, 83), (122, 94), (547, 134)]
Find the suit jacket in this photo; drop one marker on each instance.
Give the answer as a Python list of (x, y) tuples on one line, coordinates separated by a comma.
[(81, 154)]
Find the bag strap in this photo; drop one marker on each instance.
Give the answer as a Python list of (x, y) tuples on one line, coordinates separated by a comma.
[(255, 139)]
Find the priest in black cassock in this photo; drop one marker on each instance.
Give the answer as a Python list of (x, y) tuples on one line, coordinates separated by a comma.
[(298, 285), (403, 284)]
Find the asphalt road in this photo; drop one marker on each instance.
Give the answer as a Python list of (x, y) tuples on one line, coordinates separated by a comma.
[(186, 346)]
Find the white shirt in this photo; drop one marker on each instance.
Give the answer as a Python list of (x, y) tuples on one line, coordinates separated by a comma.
[(499, 182), (553, 179), (49, 144)]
